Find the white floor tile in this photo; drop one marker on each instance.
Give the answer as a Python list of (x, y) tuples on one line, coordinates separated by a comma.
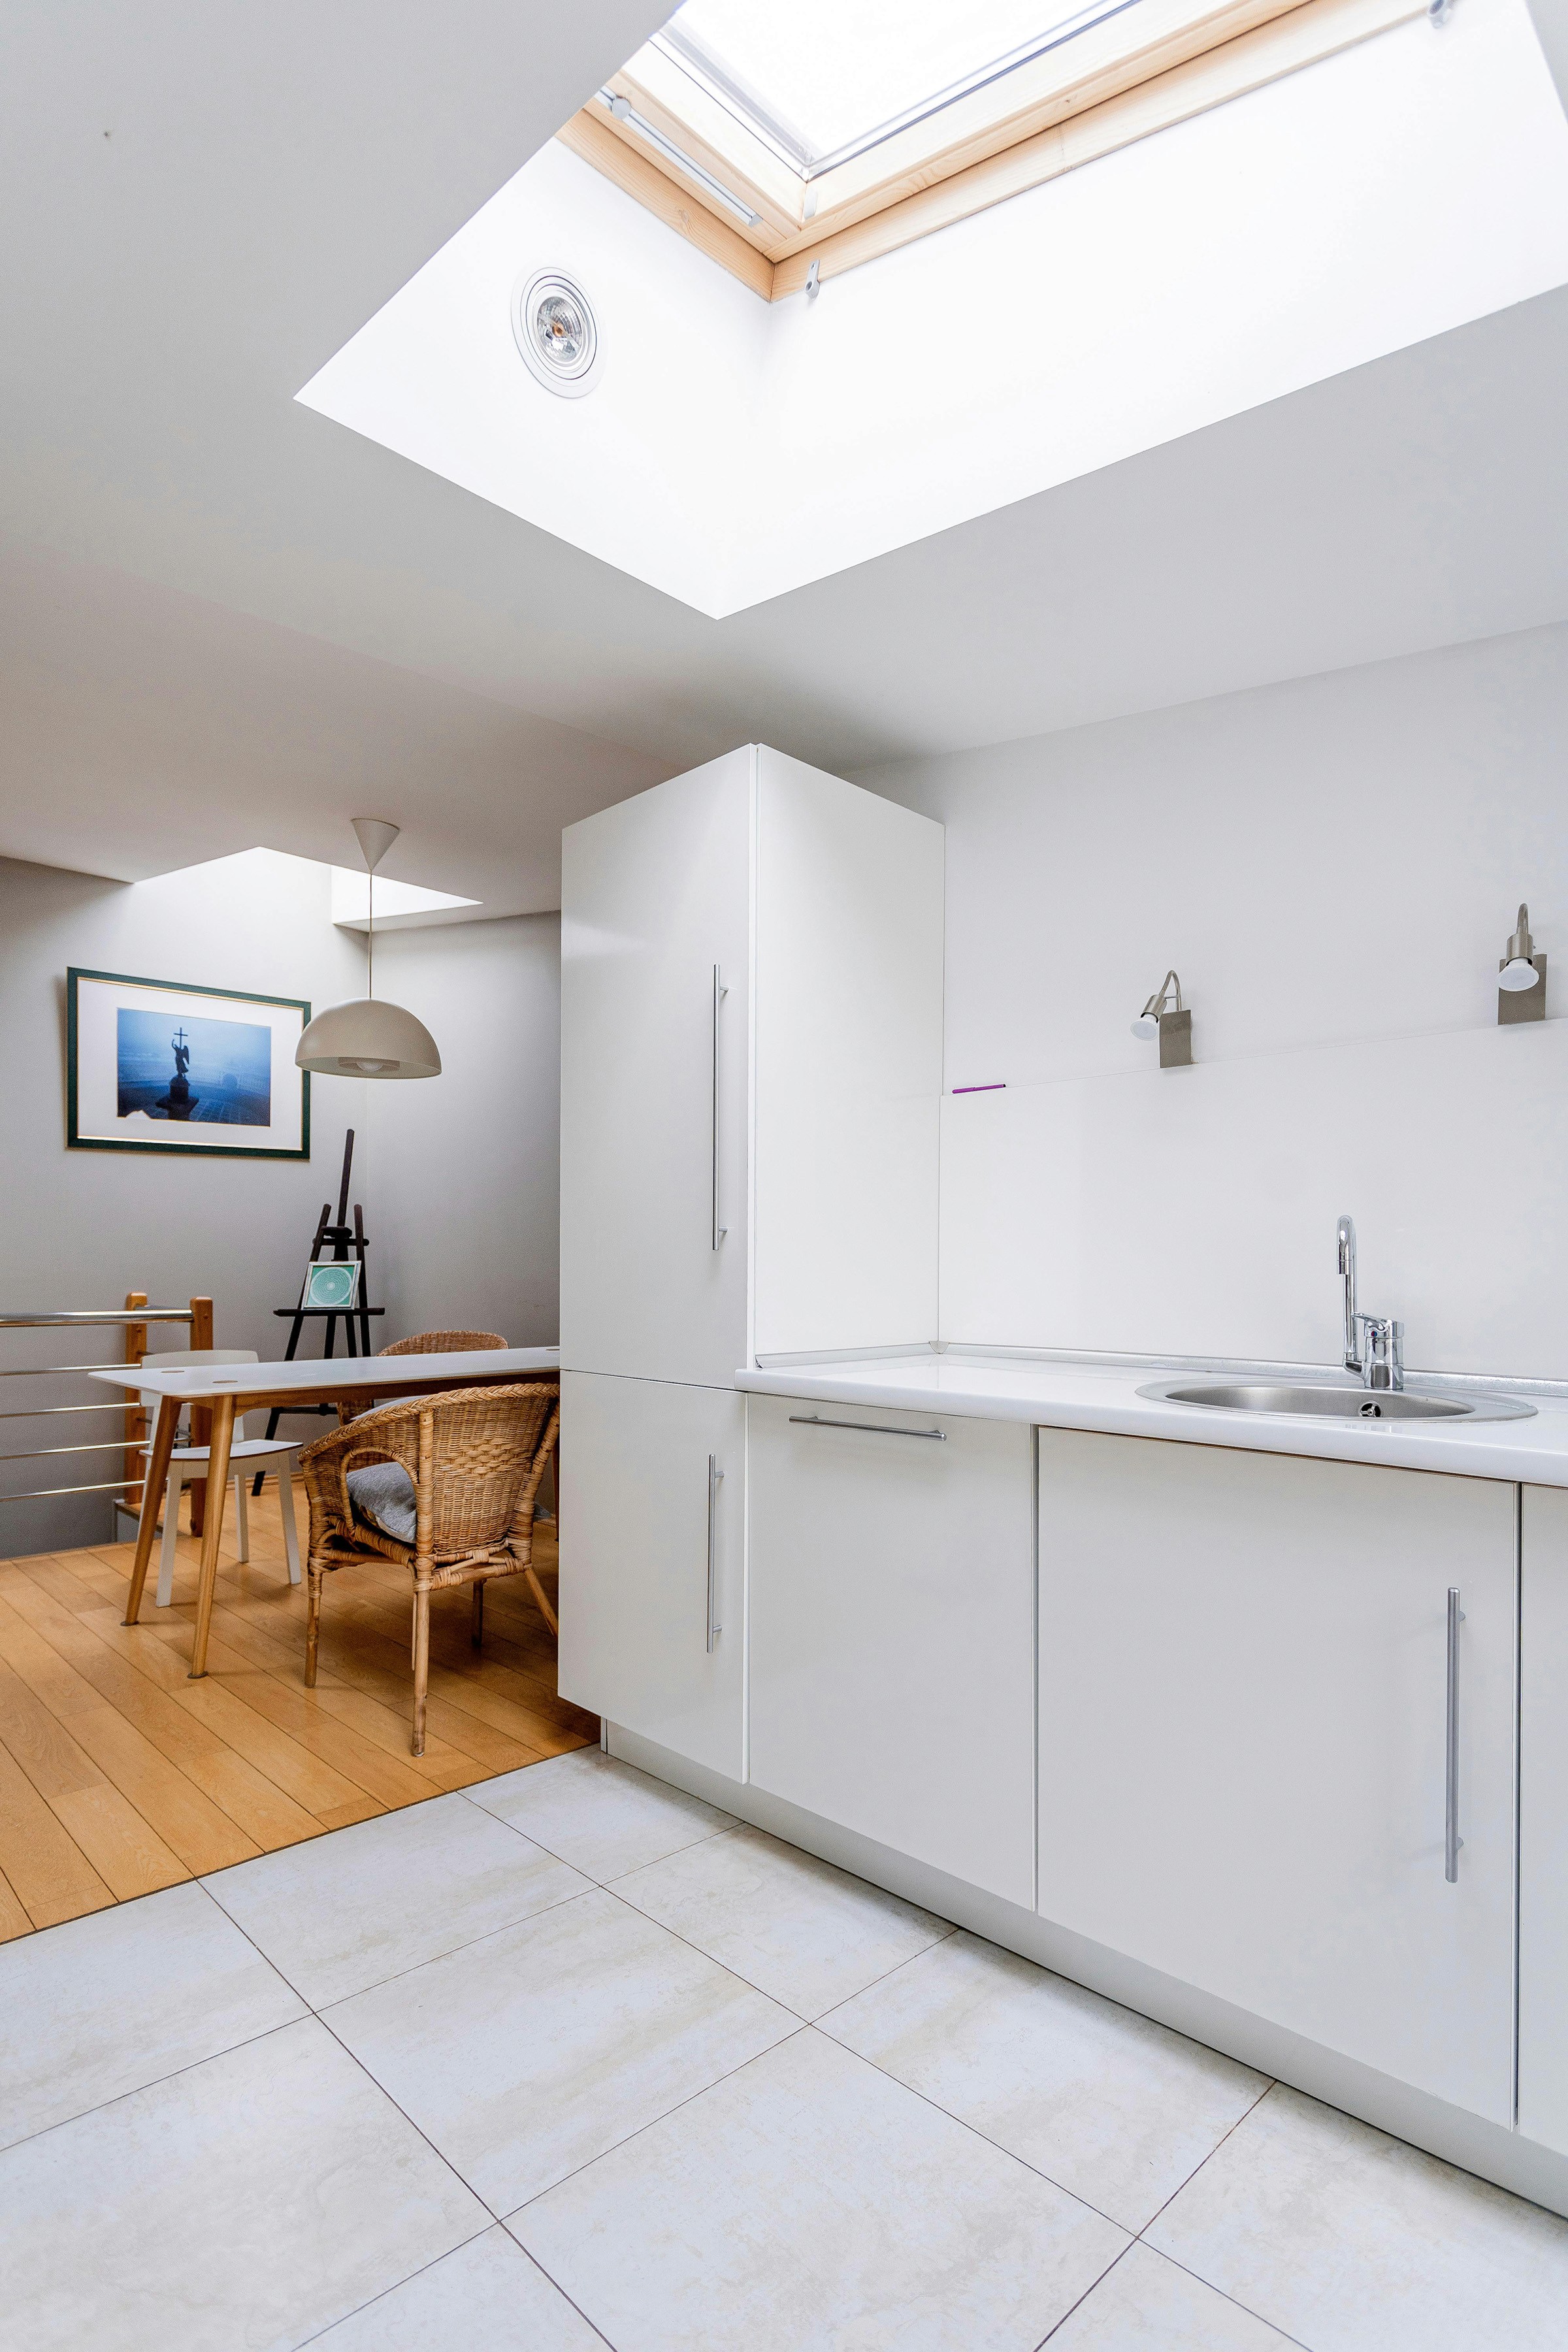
[(1147, 2304), (486, 2297), (809, 1935), (808, 2201), (102, 2005), (529, 2054), (247, 2202), (339, 1913), (602, 1817), (1354, 2242), (1115, 2108)]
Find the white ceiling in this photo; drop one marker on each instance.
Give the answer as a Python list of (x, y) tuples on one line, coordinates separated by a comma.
[(227, 621)]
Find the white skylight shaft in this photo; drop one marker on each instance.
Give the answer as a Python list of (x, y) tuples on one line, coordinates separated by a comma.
[(822, 81)]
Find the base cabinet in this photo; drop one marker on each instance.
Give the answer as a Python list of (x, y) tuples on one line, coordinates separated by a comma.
[(1543, 1818), (1244, 1713), (892, 1612), (653, 1527)]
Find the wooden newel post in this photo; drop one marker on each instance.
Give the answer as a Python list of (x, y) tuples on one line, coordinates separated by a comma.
[(201, 1415), (136, 1420)]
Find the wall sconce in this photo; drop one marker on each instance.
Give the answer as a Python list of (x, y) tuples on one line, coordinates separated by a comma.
[(1521, 977), (1166, 1017)]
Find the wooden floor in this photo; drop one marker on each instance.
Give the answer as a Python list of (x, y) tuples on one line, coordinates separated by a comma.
[(119, 1774)]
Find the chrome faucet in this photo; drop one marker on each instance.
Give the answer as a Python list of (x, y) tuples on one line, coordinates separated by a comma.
[(1375, 1344)]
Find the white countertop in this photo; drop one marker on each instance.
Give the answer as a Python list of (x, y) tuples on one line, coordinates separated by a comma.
[(379, 1374), (1086, 1394)]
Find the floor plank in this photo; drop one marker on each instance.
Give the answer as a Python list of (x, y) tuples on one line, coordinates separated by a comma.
[(13, 1919), (52, 1876), (119, 1774), (128, 1854)]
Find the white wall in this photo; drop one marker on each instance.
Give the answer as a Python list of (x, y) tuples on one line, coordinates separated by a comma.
[(458, 1175), (1334, 866), (81, 1228), (735, 449), (469, 1163)]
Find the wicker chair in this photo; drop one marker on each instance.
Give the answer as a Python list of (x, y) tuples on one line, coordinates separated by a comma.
[(425, 1343), (443, 1343), (476, 1457)]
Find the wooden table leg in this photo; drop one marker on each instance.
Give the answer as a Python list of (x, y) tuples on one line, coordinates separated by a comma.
[(154, 1479), (217, 1487)]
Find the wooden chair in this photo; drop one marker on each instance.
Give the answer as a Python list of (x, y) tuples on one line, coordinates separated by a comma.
[(473, 1459), (189, 1463)]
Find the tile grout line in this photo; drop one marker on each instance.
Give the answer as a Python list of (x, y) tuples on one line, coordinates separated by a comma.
[(1270, 2086), (245, 2041), (379, 2088), (371, 2301), (1093, 2288), (651, 1863), (652, 2125), (1283, 2334), (612, 1887), (936, 2107)]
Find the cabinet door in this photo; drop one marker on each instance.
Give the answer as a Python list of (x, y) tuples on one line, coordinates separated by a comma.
[(656, 897), (847, 1033), (893, 1631), (653, 1519), (1244, 1694), (1543, 1818)]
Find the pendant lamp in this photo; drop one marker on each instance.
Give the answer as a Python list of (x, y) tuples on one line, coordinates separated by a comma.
[(368, 1038)]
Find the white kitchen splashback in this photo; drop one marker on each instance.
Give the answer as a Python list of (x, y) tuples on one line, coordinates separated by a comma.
[(1191, 1212)]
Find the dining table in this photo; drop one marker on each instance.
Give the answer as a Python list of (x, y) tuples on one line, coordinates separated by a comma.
[(230, 1391)]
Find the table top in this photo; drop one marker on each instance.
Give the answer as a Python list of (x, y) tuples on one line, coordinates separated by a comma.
[(336, 1375)]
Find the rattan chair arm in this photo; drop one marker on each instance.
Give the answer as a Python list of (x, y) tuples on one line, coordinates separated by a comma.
[(521, 1527)]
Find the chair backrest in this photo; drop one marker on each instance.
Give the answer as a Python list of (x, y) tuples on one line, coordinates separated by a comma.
[(444, 1343), (168, 1359), (487, 1455)]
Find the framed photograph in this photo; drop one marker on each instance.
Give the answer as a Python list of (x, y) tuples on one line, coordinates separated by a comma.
[(331, 1282), (156, 1066)]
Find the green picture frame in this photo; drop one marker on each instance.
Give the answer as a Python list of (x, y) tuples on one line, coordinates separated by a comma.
[(224, 1085)]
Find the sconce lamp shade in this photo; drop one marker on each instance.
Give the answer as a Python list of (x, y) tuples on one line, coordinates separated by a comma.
[(1516, 974), (368, 1038)]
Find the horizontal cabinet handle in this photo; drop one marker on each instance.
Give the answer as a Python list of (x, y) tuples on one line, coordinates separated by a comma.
[(870, 1428)]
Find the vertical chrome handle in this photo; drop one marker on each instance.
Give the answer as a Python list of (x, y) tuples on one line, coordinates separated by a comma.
[(715, 1477), (1452, 1841), (719, 993)]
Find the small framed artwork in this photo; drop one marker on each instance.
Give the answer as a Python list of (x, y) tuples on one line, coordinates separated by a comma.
[(156, 1066), (331, 1282)]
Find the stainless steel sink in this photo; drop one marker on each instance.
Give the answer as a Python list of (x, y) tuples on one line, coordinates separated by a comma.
[(1332, 1401)]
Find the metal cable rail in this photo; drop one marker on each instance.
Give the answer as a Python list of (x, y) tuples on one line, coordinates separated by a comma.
[(131, 1319)]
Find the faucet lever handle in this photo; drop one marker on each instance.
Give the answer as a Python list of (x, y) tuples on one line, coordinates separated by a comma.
[(1381, 1351)]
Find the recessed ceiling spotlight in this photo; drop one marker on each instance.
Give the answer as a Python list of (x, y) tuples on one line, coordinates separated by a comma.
[(556, 332)]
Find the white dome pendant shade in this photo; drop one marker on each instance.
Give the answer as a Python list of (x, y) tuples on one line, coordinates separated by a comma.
[(367, 1038)]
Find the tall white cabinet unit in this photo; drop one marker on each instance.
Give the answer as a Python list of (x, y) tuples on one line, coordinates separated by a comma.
[(751, 1075)]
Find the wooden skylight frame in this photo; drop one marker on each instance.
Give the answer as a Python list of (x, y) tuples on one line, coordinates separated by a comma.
[(1119, 80)]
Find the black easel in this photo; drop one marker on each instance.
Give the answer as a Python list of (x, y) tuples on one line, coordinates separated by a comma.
[(342, 1241)]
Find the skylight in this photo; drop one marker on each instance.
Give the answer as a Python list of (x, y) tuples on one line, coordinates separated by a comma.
[(824, 80), (815, 135), (399, 906)]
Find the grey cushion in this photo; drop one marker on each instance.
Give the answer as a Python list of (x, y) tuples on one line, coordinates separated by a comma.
[(383, 1493)]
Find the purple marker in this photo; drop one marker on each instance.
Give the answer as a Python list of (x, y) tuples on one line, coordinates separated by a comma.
[(996, 1087)]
